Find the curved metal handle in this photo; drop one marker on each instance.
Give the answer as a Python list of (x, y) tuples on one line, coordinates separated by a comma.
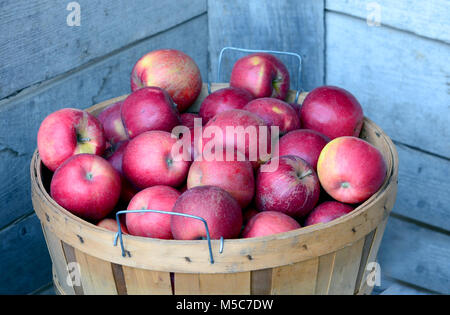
[(119, 228), (300, 63)]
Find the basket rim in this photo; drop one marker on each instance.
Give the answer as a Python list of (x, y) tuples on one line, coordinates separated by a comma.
[(392, 173)]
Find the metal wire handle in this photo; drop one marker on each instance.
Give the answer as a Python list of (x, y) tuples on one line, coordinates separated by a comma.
[(119, 233), (300, 63)]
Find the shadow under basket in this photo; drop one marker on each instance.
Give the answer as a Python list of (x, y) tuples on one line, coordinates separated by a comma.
[(331, 258)]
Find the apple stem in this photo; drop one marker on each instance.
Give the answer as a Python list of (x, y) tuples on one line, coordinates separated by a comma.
[(309, 172)]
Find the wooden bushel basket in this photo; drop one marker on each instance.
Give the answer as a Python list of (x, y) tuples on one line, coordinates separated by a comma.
[(329, 258)]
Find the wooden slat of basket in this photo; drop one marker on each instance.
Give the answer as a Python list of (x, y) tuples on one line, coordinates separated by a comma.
[(345, 270), (141, 281), (324, 274), (96, 274), (364, 288), (299, 278), (211, 284), (261, 281), (58, 257)]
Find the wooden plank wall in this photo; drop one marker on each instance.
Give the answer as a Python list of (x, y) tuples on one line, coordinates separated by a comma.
[(288, 25), (400, 72), (46, 65)]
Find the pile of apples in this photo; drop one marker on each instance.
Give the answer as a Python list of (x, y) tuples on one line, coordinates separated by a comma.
[(124, 158)]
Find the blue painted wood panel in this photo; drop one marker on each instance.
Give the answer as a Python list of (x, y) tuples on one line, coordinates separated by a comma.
[(37, 44), (288, 25)]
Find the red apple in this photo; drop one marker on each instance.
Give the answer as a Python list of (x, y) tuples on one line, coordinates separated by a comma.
[(351, 169), (248, 214), (221, 212), (327, 211), (111, 224), (261, 74), (115, 157), (187, 119), (86, 185), (236, 177), (171, 70), (275, 112), (67, 132), (154, 225), (297, 107), (111, 120), (148, 160), (304, 143), (147, 109), (332, 111), (268, 223), (223, 100), (238, 130), (293, 188)]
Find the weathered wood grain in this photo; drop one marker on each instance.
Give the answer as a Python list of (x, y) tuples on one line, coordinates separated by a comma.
[(401, 80), (403, 289), (289, 25), (25, 263), (425, 18), (423, 187), (22, 115), (416, 255), (36, 43)]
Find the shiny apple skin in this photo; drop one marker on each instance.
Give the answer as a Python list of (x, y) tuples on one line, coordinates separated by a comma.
[(293, 188), (327, 212), (147, 109), (275, 112), (304, 143), (171, 70), (261, 74), (153, 225), (351, 169), (86, 185), (223, 100), (68, 132), (148, 161), (269, 223), (332, 111), (216, 206)]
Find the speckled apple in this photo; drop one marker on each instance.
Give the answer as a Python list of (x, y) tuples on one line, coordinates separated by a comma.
[(223, 100), (269, 223), (304, 143), (236, 177), (114, 156), (216, 206), (154, 225), (111, 119), (275, 112), (332, 111), (68, 132), (86, 185), (111, 224), (261, 74), (148, 109), (293, 188), (351, 169), (171, 70), (148, 161), (328, 211), (243, 120)]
